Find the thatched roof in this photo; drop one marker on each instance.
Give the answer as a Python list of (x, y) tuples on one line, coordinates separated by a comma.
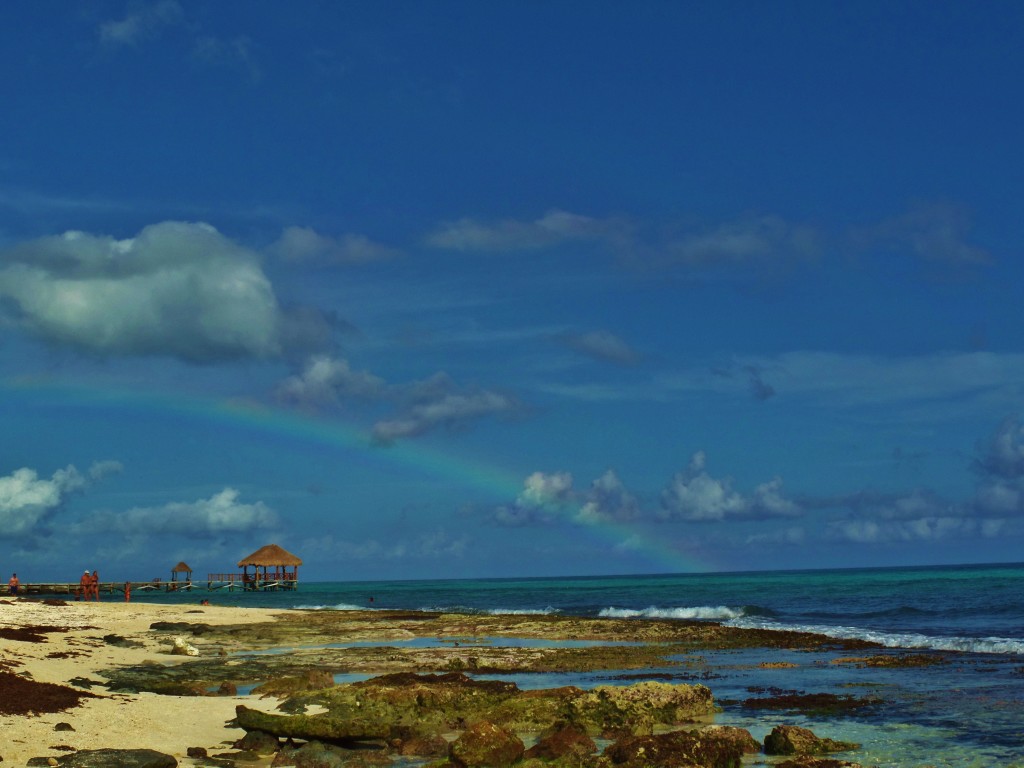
[(270, 555), (181, 567)]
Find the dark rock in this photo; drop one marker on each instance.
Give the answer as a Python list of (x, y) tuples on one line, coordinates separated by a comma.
[(678, 749), (227, 689), (196, 752), (63, 727), (617, 711), (310, 680), (111, 758), (181, 626), (324, 727), (317, 755), (486, 745), (241, 756), (739, 736), (121, 641), (794, 740), (259, 742), (562, 741), (422, 746)]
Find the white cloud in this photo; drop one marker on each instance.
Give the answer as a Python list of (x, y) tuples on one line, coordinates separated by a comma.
[(931, 528), (177, 289), (325, 380), (27, 500), (544, 496), (608, 500), (853, 380), (303, 244), (602, 345), (145, 21), (221, 513), (935, 232), (511, 235), (754, 241), (451, 410), (1004, 454), (694, 495), (792, 536)]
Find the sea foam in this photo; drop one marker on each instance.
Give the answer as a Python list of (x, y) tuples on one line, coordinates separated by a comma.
[(717, 612), (909, 640)]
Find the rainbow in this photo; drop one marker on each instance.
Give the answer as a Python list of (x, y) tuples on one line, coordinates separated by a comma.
[(285, 427)]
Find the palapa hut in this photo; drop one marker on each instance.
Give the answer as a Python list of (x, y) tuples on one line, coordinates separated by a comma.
[(181, 567), (270, 566)]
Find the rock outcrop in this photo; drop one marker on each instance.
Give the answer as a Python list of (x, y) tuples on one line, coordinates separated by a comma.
[(794, 740)]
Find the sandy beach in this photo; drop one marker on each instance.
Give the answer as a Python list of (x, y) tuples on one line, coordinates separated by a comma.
[(168, 724)]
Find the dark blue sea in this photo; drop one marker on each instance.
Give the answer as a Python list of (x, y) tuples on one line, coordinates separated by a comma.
[(967, 711)]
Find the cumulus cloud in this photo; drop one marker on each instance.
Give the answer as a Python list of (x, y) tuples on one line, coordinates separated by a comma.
[(694, 495), (303, 244), (146, 20), (608, 500), (179, 289), (1001, 469), (448, 410), (326, 380), (512, 235), (544, 495), (221, 513), (1003, 454), (28, 500), (601, 345)]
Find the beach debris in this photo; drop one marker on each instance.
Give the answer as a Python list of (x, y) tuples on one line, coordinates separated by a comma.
[(806, 761), (794, 740), (486, 745), (181, 647), (108, 758), (63, 727), (30, 634), (21, 696)]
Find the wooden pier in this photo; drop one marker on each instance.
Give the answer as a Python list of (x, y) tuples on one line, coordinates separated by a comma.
[(228, 582), (273, 569)]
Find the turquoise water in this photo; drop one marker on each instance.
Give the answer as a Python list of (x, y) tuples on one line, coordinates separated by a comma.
[(966, 712)]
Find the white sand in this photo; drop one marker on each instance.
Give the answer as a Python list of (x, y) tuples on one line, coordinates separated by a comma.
[(168, 724)]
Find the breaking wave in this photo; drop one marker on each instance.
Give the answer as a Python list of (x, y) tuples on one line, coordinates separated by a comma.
[(712, 612), (908, 640)]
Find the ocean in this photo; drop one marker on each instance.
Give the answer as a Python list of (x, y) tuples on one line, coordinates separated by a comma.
[(967, 711)]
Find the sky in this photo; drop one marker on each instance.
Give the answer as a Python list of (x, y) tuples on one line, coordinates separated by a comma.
[(462, 289)]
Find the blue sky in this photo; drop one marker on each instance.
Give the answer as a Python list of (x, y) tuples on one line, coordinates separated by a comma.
[(470, 289)]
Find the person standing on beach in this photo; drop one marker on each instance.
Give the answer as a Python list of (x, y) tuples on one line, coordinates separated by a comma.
[(84, 587), (94, 584), (13, 584), (127, 591)]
